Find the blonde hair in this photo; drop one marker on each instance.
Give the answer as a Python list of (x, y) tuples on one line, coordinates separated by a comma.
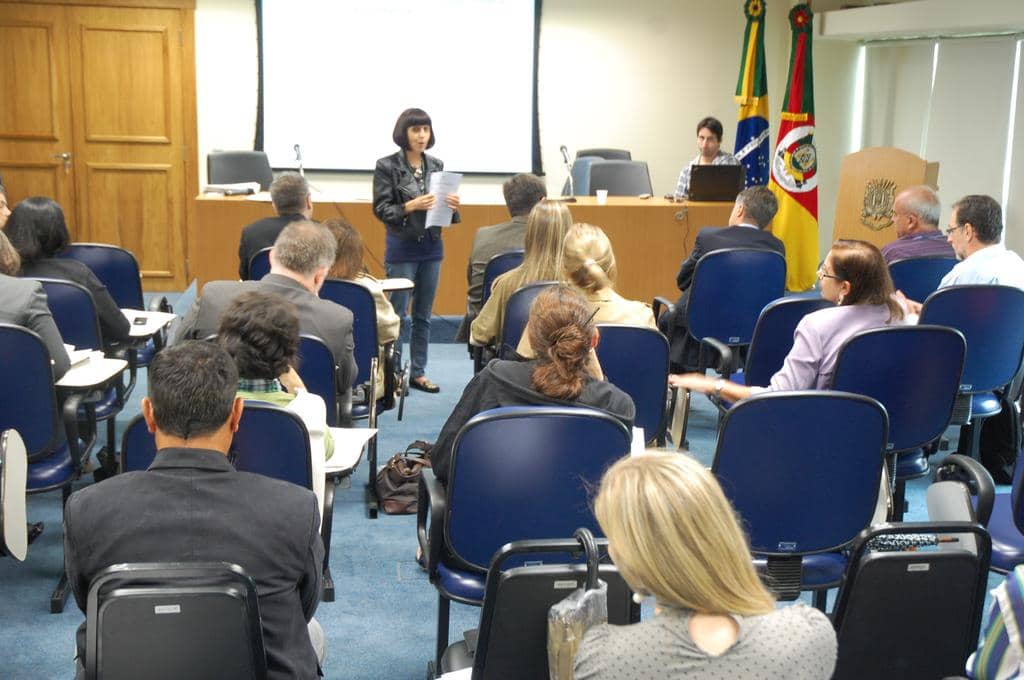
[(587, 260), (674, 534), (10, 261), (545, 233)]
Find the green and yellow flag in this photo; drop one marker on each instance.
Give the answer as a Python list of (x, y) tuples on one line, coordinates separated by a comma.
[(752, 98), (794, 177)]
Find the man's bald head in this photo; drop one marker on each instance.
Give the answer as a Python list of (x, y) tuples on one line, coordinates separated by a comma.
[(916, 210)]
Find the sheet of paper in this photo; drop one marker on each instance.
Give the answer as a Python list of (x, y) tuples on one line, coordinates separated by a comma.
[(348, 447), (442, 184), (461, 674), (154, 321), (639, 443), (389, 285)]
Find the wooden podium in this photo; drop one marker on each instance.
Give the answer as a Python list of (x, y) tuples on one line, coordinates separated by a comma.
[(869, 181)]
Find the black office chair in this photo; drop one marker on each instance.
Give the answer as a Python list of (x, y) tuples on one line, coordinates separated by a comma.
[(620, 178), (175, 620), (232, 167), (607, 154)]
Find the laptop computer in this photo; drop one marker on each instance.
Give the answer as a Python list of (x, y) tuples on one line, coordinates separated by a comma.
[(716, 182)]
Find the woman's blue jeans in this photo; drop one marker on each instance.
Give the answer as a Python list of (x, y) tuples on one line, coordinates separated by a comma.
[(417, 328)]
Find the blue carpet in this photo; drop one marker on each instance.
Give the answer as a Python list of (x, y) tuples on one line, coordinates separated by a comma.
[(382, 624)]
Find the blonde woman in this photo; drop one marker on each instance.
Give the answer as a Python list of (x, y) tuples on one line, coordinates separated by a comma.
[(673, 535), (542, 261)]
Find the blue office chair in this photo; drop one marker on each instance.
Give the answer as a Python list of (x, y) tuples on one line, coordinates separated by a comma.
[(48, 425), (914, 371), (259, 264), (517, 313), (319, 373), (635, 359), (498, 265), (991, 319), (620, 178), (74, 312), (919, 277), (233, 167), (788, 459), (517, 473), (580, 176)]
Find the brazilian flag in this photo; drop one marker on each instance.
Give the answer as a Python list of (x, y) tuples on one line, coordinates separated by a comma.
[(752, 98)]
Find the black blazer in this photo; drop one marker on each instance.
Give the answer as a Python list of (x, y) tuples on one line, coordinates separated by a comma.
[(259, 235), (192, 505), (393, 186), (714, 238)]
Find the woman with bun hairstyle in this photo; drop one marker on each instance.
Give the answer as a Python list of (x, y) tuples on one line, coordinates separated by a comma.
[(562, 330), (674, 535)]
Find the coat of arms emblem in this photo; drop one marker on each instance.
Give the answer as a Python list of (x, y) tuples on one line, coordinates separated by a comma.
[(879, 196)]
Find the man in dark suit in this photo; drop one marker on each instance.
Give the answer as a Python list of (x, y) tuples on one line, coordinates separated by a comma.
[(749, 221), (299, 262), (192, 505), (292, 200)]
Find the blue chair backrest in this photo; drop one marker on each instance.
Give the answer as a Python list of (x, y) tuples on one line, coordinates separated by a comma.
[(802, 468), (991, 319), (359, 300), (517, 312), (526, 472), (498, 265), (259, 264), (270, 441), (74, 312), (580, 176), (319, 372), (30, 402), (919, 277), (115, 267), (620, 178), (730, 288), (607, 154), (913, 371), (773, 335), (635, 359), (232, 167)]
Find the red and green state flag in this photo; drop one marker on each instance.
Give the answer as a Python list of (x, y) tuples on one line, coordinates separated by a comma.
[(794, 177), (752, 98)]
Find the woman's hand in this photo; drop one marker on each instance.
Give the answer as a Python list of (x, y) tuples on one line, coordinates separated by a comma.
[(695, 382), (291, 381), (453, 201), (424, 202)]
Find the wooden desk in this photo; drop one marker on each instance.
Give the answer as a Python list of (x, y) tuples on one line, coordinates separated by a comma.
[(651, 238)]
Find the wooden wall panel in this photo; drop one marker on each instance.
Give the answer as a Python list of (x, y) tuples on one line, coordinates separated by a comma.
[(26, 50), (25, 178)]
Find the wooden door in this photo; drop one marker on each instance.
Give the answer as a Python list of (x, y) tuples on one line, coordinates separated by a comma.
[(129, 97), (35, 107)]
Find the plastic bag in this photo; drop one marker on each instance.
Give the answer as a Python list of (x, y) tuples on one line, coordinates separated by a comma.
[(569, 619)]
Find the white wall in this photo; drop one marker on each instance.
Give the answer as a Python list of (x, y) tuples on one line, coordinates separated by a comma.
[(635, 75)]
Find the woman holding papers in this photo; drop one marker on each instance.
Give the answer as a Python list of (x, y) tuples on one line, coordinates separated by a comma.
[(413, 250)]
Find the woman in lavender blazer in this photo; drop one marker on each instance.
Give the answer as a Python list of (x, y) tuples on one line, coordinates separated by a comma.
[(855, 277)]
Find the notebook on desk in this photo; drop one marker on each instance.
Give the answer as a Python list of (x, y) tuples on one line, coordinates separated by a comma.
[(715, 182)]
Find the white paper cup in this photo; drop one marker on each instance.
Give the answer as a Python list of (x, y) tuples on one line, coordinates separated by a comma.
[(602, 196)]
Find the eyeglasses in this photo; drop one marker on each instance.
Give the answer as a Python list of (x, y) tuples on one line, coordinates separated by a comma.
[(822, 274), (949, 231)]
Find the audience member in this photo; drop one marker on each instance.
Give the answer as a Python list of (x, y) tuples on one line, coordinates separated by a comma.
[(915, 213), (292, 201), (853, 276), (23, 303), (348, 266), (709, 147), (546, 228), (588, 264), (749, 224), (299, 262), (673, 534), (522, 192), (1000, 654), (5, 210), (563, 335), (192, 505), (38, 232), (261, 333)]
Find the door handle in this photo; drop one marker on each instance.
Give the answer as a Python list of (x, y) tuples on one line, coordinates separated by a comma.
[(66, 157)]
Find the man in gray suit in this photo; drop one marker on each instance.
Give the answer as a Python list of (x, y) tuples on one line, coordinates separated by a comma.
[(522, 192), (191, 505), (299, 262)]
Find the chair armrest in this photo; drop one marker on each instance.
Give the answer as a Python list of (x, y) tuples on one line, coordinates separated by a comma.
[(433, 499), (956, 467), (69, 413), (727, 359), (658, 302)]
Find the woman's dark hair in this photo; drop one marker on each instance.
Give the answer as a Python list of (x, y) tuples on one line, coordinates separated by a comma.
[(711, 123), (348, 262), (861, 264), (261, 332), (561, 329), (37, 229), (408, 119), (192, 386)]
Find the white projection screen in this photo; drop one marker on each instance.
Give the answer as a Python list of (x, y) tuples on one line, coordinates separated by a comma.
[(337, 73)]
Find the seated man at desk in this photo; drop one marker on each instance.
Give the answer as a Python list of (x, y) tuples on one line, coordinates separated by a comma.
[(915, 213), (207, 511), (709, 147), (292, 200), (299, 262)]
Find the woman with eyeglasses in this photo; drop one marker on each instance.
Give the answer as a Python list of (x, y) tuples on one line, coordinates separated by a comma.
[(855, 277)]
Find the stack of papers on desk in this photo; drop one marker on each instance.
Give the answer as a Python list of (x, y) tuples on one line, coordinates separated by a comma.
[(237, 189), (77, 356)]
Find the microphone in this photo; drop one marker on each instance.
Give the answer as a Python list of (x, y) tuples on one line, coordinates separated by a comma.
[(565, 154), (568, 169), (298, 157)]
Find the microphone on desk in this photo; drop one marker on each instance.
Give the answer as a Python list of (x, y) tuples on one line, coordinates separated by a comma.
[(298, 157), (568, 168)]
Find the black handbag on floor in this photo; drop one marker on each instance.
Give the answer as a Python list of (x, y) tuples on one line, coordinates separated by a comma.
[(398, 481)]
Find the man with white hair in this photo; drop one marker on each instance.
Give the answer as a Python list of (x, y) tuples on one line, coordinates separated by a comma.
[(916, 213)]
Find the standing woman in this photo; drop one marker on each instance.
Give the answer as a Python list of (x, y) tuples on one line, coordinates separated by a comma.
[(413, 249)]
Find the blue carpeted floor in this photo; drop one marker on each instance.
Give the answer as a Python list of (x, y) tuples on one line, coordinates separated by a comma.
[(382, 623)]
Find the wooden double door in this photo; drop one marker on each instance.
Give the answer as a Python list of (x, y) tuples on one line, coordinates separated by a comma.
[(97, 111)]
